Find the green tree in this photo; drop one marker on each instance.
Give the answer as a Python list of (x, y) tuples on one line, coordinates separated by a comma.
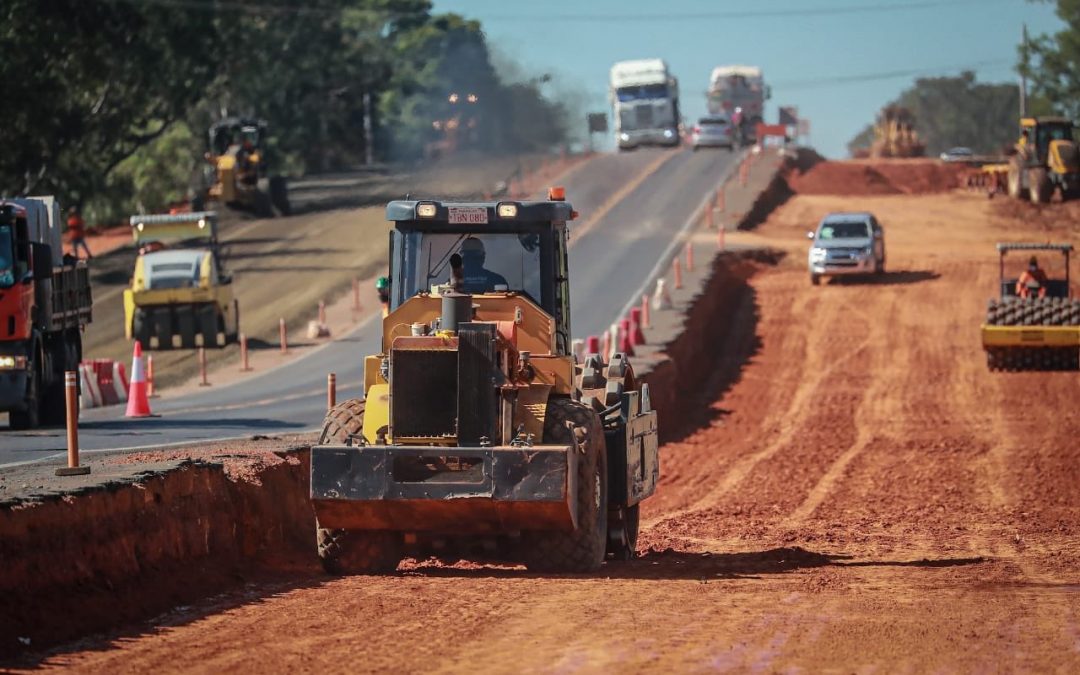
[(88, 83), (1052, 64)]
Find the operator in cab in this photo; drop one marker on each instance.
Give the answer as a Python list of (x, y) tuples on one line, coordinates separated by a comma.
[(475, 277), (1032, 280)]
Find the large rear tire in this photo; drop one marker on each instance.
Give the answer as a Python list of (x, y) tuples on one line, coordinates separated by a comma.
[(1014, 181), (30, 418), (353, 551), (1040, 187), (623, 525), (582, 550)]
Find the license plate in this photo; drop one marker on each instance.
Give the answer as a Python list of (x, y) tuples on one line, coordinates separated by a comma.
[(461, 215)]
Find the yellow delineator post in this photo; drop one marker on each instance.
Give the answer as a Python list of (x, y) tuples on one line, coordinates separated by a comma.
[(71, 403)]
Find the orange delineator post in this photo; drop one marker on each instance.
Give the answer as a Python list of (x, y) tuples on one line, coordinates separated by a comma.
[(71, 406), (281, 336), (356, 294), (720, 238), (720, 199), (645, 310), (322, 312), (149, 376), (677, 268), (689, 256), (244, 365), (331, 391), (203, 382)]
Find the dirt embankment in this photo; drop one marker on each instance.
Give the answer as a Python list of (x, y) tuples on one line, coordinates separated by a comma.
[(188, 524)]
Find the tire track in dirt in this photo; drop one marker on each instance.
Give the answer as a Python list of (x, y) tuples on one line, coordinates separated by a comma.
[(810, 367), (873, 409)]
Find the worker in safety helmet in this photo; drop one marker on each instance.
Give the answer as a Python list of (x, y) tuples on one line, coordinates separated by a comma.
[(382, 287), (1032, 281), (475, 277)]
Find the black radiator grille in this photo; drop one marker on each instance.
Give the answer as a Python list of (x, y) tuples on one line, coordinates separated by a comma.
[(477, 417), (423, 392)]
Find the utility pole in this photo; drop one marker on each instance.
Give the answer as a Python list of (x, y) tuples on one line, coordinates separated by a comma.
[(369, 151), (1023, 70)]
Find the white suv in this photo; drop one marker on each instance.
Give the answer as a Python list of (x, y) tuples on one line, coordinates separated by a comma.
[(846, 243)]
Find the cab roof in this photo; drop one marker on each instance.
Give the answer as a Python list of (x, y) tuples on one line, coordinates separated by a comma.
[(527, 212)]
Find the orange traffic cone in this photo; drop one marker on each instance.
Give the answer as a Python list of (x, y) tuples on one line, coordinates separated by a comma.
[(138, 405)]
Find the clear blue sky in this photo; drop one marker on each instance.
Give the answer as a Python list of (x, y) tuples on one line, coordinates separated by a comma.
[(799, 53)]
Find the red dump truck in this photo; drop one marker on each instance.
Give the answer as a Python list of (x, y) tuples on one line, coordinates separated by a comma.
[(44, 307)]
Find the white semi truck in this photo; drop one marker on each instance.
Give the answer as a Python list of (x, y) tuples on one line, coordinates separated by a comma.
[(740, 92), (645, 103)]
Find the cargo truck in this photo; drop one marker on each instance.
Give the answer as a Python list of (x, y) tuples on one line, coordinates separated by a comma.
[(740, 92), (645, 104), (45, 304)]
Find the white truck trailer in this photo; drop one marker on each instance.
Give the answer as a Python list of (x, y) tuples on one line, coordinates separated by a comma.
[(645, 103)]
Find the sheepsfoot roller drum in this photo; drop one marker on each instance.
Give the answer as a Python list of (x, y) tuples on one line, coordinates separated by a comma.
[(1035, 324), (479, 436)]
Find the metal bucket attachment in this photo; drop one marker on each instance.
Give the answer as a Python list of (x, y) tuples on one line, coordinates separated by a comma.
[(445, 490)]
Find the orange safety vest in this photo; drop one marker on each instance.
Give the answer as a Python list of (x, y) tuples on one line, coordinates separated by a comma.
[(76, 226)]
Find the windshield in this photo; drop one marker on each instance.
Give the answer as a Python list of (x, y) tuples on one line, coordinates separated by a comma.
[(641, 92), (853, 229), (489, 262), (7, 258)]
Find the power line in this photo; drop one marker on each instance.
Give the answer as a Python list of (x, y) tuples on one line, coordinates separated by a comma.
[(791, 12), (885, 75)]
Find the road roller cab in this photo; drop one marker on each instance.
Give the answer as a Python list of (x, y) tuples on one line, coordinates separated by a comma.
[(478, 429), (1034, 324), (180, 296)]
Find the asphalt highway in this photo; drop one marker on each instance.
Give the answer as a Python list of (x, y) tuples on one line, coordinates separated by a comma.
[(632, 206)]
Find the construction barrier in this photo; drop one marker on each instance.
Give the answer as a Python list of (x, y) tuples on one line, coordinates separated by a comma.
[(104, 382)]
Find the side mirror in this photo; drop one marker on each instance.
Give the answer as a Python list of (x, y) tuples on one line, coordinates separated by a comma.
[(810, 235), (41, 257)]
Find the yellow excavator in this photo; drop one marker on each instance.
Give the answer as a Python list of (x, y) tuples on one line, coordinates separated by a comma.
[(1047, 160)]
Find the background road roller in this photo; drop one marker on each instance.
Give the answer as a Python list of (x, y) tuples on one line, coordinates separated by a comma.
[(1039, 332), (180, 296), (479, 435), (237, 172)]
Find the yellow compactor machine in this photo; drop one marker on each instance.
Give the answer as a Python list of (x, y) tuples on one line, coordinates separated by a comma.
[(1037, 332), (479, 434), (180, 296)]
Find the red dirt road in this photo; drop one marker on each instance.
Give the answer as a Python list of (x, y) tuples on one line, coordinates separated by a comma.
[(861, 495)]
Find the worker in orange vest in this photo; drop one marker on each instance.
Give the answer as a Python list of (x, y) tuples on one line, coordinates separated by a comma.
[(77, 228), (1032, 280)]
